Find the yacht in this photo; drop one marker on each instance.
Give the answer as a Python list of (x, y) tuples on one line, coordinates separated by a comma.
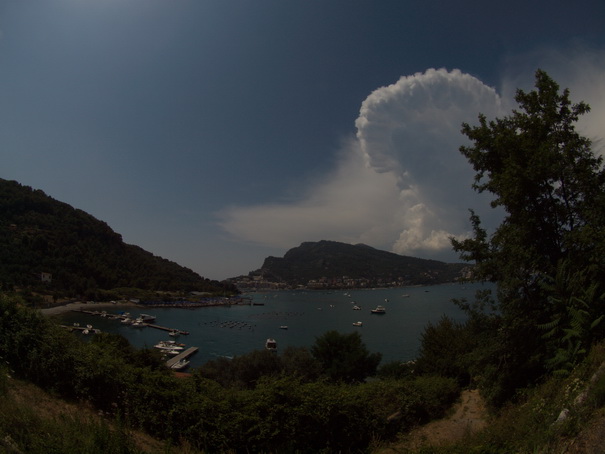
[(379, 310)]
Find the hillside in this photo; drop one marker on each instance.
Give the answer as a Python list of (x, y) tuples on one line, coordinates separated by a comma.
[(78, 254), (330, 260)]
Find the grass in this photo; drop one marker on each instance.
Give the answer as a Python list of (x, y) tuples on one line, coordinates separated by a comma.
[(34, 422), (531, 426)]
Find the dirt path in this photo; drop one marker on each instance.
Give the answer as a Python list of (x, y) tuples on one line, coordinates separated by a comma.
[(468, 416)]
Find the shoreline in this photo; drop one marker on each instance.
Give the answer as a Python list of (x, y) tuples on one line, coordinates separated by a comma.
[(59, 310)]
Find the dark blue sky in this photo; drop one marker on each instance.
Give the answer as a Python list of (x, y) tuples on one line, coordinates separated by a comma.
[(215, 133)]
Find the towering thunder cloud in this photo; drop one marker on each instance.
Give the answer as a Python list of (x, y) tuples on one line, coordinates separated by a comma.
[(401, 183)]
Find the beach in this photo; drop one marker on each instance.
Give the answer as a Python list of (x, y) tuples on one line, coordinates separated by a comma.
[(58, 310)]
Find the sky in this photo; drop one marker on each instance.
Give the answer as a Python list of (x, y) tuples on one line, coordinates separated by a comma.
[(215, 133)]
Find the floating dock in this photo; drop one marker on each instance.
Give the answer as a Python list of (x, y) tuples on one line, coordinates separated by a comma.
[(186, 354)]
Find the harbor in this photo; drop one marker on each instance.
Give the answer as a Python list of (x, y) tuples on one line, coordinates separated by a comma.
[(231, 331), (180, 356), (138, 322)]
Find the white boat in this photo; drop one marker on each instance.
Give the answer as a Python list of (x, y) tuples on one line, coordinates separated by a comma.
[(357, 324), (127, 321), (379, 310), (147, 318), (174, 333), (168, 346), (356, 308), (180, 365), (271, 344), (283, 327)]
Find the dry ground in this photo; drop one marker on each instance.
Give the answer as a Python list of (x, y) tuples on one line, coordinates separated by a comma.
[(468, 416)]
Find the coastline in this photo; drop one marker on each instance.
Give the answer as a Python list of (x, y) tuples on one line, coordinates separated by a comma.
[(58, 310)]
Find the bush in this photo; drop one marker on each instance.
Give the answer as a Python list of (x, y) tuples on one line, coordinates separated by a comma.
[(444, 349)]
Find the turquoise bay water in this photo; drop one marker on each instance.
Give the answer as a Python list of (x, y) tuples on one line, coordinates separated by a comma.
[(230, 331)]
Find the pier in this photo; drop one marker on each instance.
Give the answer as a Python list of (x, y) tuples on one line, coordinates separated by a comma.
[(163, 328), (186, 354), (123, 317)]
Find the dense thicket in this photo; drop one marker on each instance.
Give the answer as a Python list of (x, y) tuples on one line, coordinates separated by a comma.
[(273, 403), (84, 255), (547, 256)]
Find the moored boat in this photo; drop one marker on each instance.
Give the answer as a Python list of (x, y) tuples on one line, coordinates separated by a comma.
[(379, 310), (147, 318), (271, 344), (169, 346), (180, 365), (357, 324)]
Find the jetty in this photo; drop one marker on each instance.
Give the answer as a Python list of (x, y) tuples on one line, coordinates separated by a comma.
[(123, 317), (163, 328), (186, 354)]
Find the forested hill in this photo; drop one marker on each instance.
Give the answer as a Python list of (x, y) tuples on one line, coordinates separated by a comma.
[(82, 255), (334, 260)]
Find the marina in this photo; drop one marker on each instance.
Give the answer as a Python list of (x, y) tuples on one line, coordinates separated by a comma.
[(125, 318), (181, 356), (292, 319)]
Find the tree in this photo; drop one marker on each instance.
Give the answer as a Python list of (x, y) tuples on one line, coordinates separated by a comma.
[(552, 189), (344, 357), (443, 349)]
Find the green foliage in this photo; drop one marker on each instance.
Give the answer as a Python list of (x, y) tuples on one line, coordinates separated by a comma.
[(551, 187), (331, 259), (268, 403), (344, 357), (575, 318), (84, 255), (24, 430), (244, 371), (530, 425), (396, 370), (444, 349)]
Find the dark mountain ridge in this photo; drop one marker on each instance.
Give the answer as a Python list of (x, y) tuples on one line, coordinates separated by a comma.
[(47, 245), (328, 261)]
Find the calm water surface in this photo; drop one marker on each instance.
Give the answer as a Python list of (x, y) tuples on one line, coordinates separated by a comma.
[(229, 331)]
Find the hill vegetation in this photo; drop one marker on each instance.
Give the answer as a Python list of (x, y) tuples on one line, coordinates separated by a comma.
[(535, 349), (82, 256), (331, 262)]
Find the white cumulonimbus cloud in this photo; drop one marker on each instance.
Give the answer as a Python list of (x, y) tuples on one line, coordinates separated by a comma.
[(401, 183)]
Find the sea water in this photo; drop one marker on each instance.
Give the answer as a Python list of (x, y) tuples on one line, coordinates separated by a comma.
[(297, 318)]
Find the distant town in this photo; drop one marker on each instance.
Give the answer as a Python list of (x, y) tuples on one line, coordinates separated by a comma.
[(261, 283)]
